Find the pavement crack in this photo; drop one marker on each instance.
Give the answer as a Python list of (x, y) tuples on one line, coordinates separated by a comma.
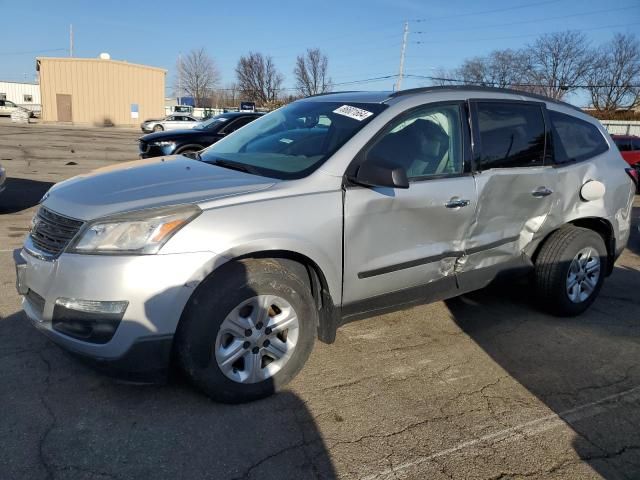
[(247, 474), (49, 469)]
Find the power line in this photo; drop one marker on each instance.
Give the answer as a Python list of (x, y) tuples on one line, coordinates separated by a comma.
[(483, 12), (526, 35), (531, 85), (523, 22)]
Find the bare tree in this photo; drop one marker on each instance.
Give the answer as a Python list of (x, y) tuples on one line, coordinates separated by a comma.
[(474, 71), (558, 63), (311, 73), (197, 76), (501, 68), (614, 82), (443, 77), (227, 96), (258, 78)]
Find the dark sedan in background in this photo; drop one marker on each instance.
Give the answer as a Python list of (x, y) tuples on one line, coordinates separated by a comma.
[(185, 141)]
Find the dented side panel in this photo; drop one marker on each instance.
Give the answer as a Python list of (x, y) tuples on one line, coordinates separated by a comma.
[(396, 239), (509, 214)]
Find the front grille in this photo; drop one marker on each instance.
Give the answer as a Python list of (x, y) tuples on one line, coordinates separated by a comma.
[(144, 147), (52, 232)]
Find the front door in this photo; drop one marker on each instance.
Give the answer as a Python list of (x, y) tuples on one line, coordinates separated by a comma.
[(63, 104), (405, 242), (515, 186)]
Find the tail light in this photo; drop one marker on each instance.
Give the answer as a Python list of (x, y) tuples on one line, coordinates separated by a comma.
[(633, 173)]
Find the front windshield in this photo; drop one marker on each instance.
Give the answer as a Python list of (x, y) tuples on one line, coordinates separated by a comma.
[(292, 141), (211, 122)]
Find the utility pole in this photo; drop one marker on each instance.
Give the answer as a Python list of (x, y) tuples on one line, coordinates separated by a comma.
[(71, 40), (404, 48)]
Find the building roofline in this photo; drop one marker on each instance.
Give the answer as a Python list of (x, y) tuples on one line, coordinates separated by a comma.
[(21, 83), (472, 88), (76, 59)]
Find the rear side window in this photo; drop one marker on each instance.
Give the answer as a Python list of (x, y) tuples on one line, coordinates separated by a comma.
[(574, 139), (510, 135)]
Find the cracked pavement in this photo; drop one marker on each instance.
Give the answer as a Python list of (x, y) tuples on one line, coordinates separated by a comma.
[(480, 387)]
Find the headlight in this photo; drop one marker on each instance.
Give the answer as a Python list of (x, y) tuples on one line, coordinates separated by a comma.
[(163, 144), (142, 232)]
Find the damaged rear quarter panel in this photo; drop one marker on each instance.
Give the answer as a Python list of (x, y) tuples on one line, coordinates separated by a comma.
[(614, 206)]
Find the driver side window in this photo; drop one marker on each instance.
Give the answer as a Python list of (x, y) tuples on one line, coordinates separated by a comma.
[(426, 142)]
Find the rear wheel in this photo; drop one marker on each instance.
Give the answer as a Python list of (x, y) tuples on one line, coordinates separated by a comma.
[(247, 331), (158, 128), (569, 270)]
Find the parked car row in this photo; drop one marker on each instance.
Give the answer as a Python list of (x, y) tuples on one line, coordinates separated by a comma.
[(330, 209), (200, 136), (170, 122)]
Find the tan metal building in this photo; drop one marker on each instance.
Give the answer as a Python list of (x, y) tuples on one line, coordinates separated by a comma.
[(100, 91)]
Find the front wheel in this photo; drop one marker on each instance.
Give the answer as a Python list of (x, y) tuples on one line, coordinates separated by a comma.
[(247, 331), (158, 128), (570, 270)]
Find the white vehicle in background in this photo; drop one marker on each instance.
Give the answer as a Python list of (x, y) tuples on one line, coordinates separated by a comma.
[(7, 108), (172, 122)]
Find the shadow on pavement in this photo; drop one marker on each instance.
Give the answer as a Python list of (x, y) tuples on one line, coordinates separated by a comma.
[(586, 369), (634, 238), (61, 419), (21, 194)]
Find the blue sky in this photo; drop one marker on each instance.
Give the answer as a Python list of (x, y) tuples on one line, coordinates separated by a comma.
[(361, 38)]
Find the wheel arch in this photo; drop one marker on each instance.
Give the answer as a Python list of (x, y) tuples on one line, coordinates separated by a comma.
[(324, 292), (597, 224), (189, 146), (317, 282)]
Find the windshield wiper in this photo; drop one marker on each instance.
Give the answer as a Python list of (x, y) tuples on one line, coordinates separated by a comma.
[(241, 167), (193, 155)]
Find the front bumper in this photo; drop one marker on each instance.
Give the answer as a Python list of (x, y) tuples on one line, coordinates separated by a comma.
[(154, 151), (157, 288)]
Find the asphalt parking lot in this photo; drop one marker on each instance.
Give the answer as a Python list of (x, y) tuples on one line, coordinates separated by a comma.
[(481, 387)]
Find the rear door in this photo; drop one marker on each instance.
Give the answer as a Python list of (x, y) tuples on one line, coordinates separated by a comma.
[(400, 245), (515, 182)]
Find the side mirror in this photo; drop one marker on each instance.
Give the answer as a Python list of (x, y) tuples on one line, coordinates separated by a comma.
[(377, 174)]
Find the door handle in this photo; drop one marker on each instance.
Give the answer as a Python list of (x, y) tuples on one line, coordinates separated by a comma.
[(457, 203), (541, 192)]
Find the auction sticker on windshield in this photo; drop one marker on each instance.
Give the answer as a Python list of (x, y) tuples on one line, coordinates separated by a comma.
[(353, 112)]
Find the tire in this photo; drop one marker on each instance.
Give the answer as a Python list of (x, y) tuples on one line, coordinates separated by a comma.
[(563, 251), (188, 150), (208, 330), (158, 128)]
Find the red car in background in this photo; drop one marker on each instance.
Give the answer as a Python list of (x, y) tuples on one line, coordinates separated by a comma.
[(629, 146)]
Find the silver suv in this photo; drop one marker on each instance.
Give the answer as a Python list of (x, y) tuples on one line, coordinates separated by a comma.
[(330, 209)]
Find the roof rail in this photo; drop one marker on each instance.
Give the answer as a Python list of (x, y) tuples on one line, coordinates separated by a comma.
[(471, 88), (331, 93)]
